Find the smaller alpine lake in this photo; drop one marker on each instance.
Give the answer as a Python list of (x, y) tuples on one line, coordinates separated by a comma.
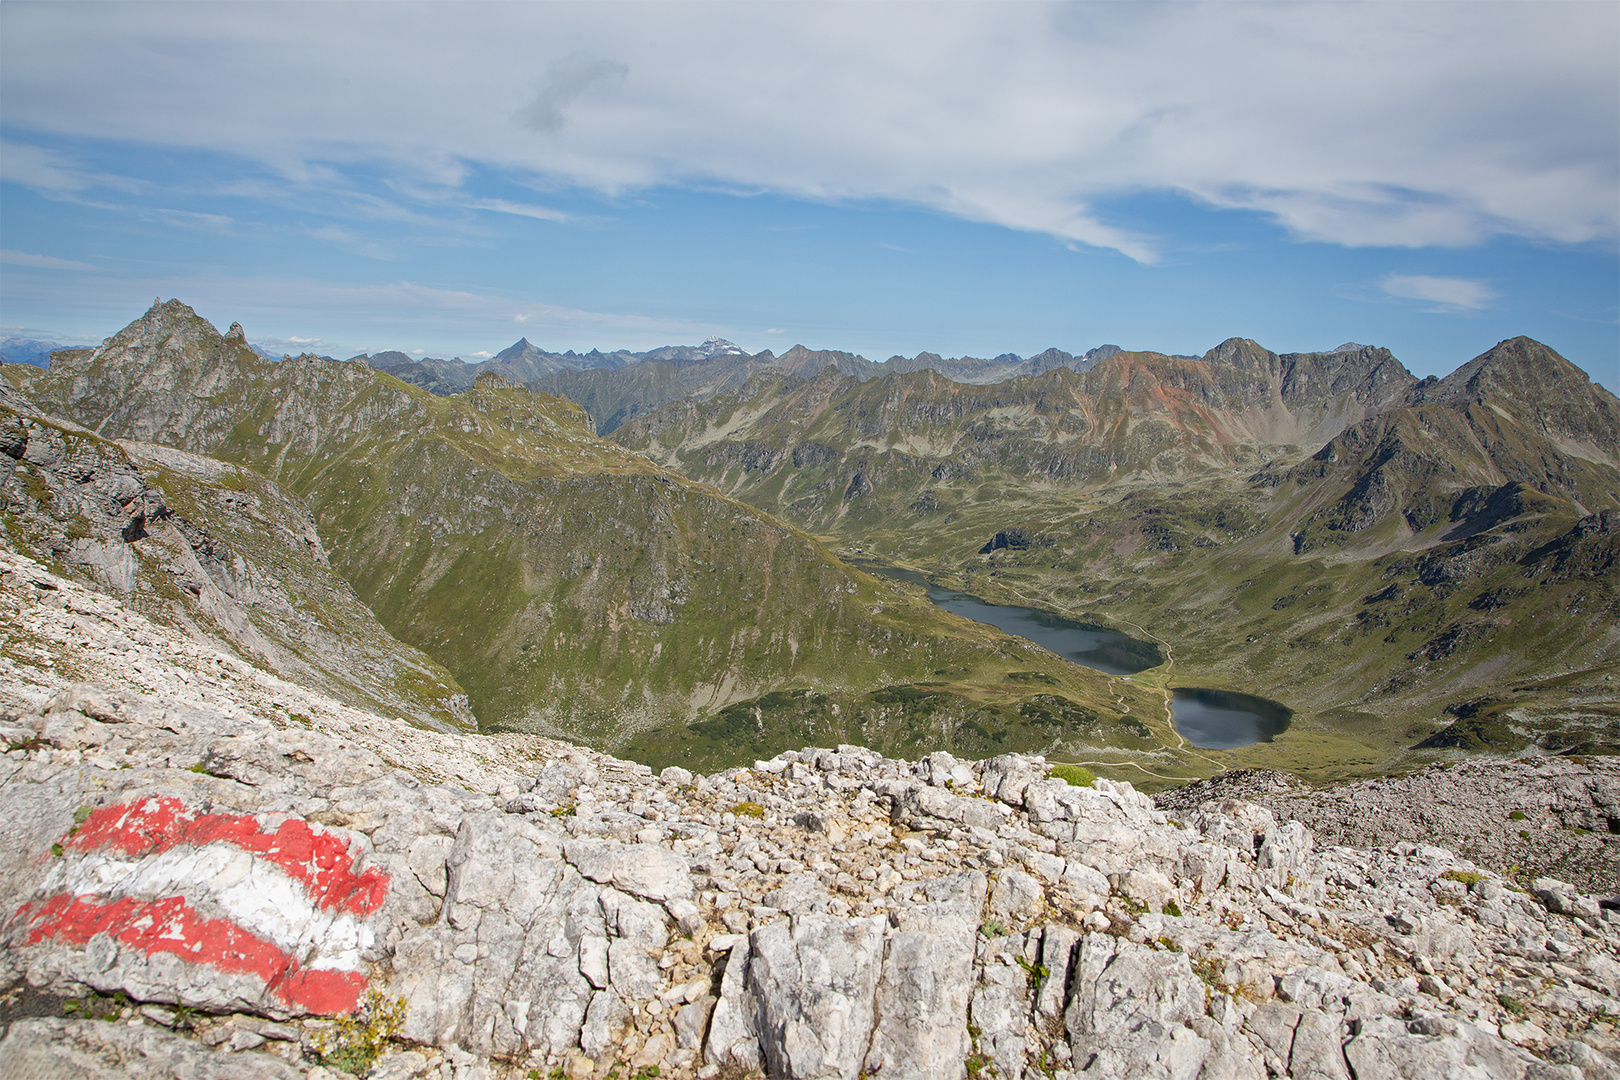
[(1223, 720), (1209, 719)]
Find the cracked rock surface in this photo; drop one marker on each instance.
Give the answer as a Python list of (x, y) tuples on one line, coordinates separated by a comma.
[(220, 861)]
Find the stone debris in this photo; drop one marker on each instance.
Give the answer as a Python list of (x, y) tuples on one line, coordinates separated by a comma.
[(1542, 816), (227, 861)]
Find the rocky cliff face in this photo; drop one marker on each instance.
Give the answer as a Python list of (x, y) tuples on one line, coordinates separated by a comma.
[(223, 861), (215, 549)]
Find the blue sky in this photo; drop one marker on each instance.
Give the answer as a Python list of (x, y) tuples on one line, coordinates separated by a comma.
[(964, 179)]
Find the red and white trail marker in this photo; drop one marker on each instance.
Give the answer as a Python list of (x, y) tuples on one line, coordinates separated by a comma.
[(287, 905)]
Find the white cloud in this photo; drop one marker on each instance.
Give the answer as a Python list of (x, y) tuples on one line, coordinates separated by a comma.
[(1449, 294), (1358, 124), (529, 210), (39, 169), (40, 262)]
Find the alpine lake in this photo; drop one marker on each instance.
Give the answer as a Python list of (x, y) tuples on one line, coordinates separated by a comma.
[(1207, 718)]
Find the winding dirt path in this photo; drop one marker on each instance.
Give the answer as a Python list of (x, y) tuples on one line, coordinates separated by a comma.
[(1163, 678)]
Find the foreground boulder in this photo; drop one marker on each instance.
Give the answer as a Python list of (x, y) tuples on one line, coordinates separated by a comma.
[(230, 864)]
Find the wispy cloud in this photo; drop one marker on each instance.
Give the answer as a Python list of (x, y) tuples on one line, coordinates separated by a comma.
[(192, 219), (42, 334), (1448, 294), (55, 174), (40, 262), (528, 210), (37, 168)]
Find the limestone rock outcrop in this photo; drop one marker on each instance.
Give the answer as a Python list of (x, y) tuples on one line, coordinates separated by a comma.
[(225, 862)]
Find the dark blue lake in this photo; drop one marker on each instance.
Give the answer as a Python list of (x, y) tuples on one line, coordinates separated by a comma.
[(1209, 719), (1222, 720), (1091, 646)]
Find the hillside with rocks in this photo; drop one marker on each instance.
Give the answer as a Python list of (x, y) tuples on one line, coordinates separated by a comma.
[(1528, 817), (222, 862), (217, 550), (248, 610)]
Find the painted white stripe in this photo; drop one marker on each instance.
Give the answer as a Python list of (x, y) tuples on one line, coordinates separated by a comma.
[(253, 893)]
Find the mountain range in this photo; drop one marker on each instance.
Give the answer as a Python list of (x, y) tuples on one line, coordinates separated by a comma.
[(1382, 553), (1409, 565), (19, 350), (255, 611), (619, 386)]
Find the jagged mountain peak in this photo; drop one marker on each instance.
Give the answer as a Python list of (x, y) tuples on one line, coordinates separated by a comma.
[(1533, 382), (719, 346), (175, 327), (168, 313), (520, 347), (1239, 352)]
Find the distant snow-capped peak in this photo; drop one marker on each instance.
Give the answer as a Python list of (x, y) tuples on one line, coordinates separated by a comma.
[(717, 346)]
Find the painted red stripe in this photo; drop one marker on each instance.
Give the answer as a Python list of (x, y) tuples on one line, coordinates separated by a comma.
[(174, 926), (321, 860)]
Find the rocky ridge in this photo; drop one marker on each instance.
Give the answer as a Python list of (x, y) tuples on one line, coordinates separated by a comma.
[(241, 859)]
